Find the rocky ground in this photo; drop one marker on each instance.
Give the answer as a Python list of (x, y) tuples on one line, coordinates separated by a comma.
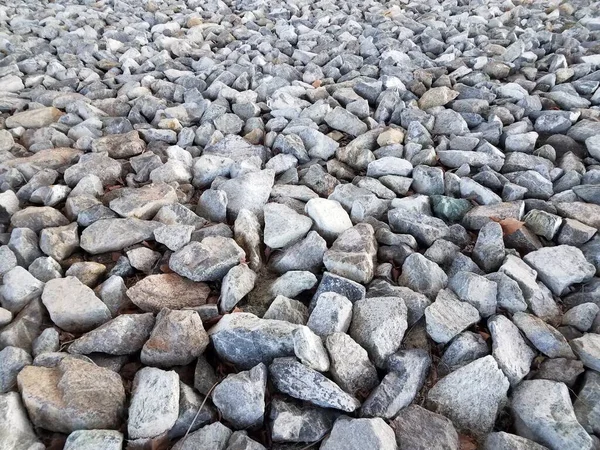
[(345, 225)]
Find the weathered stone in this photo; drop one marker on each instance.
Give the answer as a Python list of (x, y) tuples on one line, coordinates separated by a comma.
[(436, 432), (124, 335), (93, 439), (34, 118), (543, 336), (123, 145), (587, 348), (177, 338), (168, 290), (292, 423), (353, 253), (37, 218), (505, 441), (73, 395), (422, 275), (73, 306), (330, 219), (362, 433), (109, 235), (284, 226), (241, 397), (544, 413), (298, 381), (378, 325), (154, 404), (209, 260), (448, 316), (459, 395)]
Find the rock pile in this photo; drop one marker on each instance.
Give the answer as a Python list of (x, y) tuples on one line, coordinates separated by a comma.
[(251, 224)]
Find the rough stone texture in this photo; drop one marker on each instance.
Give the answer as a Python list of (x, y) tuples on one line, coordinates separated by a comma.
[(447, 317), (544, 413), (355, 434), (292, 423), (332, 313), (109, 235), (378, 325), (510, 350), (93, 439), (422, 275), (154, 406), (471, 396), (587, 348), (561, 266), (167, 291), (124, 335), (177, 338), (241, 397), (73, 395), (246, 340), (543, 336), (298, 381), (436, 432), (209, 260), (352, 255), (506, 441), (73, 306), (16, 432)]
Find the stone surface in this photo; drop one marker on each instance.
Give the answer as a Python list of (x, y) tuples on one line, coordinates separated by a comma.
[(16, 432), (471, 396), (354, 434), (154, 406), (292, 423), (73, 395), (436, 432), (73, 306), (298, 381), (447, 316), (91, 439), (209, 260), (167, 291), (544, 413), (240, 398)]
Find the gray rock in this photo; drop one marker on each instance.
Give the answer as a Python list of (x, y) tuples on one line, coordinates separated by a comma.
[(47, 341), (560, 369), (298, 381), (19, 288), (543, 336), (246, 340), (398, 389), (247, 232), (475, 290), (466, 348), (586, 404), (123, 335), (93, 439), (581, 316), (174, 236), (240, 441), (144, 202), (587, 348), (459, 395), (330, 219), (306, 254), (8, 260), (109, 235), (378, 325), (74, 395), (212, 205), (59, 242), (448, 316), (350, 366), (12, 360), (37, 218), (238, 282), (209, 260), (34, 118), (25, 327), (361, 433), (204, 376), (284, 226), (143, 259), (241, 397), (543, 223), (509, 294), (105, 168), (422, 275), (292, 423), (389, 165), (195, 411), (123, 145), (342, 120), (509, 348), (309, 349), (332, 313), (489, 249), (353, 253), (561, 266), (73, 306), (436, 432), (544, 413), (438, 96), (210, 437), (249, 191), (287, 309), (425, 229), (505, 441), (16, 432), (154, 406), (177, 339)]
